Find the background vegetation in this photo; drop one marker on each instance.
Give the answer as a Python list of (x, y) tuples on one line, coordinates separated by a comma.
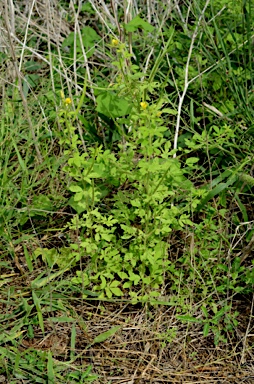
[(126, 191)]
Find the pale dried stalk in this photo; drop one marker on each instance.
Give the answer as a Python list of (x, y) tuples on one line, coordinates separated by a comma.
[(186, 77), (26, 34), (10, 32)]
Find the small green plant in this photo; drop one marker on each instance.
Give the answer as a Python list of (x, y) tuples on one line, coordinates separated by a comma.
[(45, 369), (219, 322), (168, 336), (139, 182)]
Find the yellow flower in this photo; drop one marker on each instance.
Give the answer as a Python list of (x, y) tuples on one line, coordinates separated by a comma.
[(143, 104), (67, 101), (115, 42), (158, 114), (62, 94)]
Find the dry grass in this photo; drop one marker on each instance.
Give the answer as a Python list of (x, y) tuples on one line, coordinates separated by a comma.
[(151, 346), (140, 353)]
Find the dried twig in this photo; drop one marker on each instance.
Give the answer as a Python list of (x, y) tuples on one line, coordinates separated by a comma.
[(186, 77), (18, 74)]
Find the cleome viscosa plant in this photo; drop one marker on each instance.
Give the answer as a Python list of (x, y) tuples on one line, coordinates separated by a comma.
[(128, 198)]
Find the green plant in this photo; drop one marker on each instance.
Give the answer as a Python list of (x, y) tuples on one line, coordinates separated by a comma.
[(18, 366), (167, 337), (220, 322), (139, 182)]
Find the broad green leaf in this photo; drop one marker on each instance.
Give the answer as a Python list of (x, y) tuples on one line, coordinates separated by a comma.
[(127, 285), (79, 195), (41, 202), (106, 335), (170, 111), (122, 275), (138, 23), (79, 206), (188, 318), (206, 329), (32, 65), (89, 38), (112, 105), (86, 7), (108, 292), (114, 284), (134, 277), (192, 160), (75, 188), (116, 291)]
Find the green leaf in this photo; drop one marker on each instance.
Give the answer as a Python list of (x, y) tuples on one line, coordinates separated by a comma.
[(61, 319), (41, 282), (192, 160), (170, 111), (73, 341), (50, 369), (206, 329), (40, 203), (242, 208), (89, 37), (128, 284), (138, 23), (134, 277), (39, 311), (86, 7), (215, 191), (205, 312), (219, 314), (103, 282), (111, 105), (32, 65), (122, 275), (49, 256), (75, 188), (188, 318), (114, 284), (105, 335), (108, 292), (20, 159), (116, 291), (28, 259), (247, 179), (79, 206)]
